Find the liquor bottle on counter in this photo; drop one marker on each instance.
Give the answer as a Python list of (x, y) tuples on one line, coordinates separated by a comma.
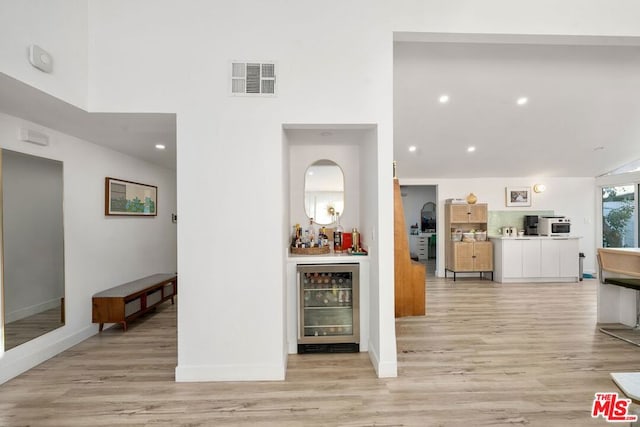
[(323, 239), (296, 238), (337, 235), (312, 233), (355, 246)]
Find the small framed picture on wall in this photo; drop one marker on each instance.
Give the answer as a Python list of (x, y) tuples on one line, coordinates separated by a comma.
[(518, 196)]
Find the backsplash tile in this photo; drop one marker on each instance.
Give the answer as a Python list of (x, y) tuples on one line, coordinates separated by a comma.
[(499, 219)]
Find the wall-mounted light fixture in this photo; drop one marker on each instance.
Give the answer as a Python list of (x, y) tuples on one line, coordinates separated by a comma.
[(539, 188)]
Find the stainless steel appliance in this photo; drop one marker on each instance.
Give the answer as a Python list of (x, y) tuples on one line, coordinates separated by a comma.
[(328, 308), (531, 225), (554, 226)]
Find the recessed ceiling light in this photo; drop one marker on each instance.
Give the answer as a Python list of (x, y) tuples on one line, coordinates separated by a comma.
[(310, 172), (413, 148), (522, 100), (443, 99), (471, 149), (160, 146)]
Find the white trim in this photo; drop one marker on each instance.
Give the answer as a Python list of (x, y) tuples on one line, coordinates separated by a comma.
[(383, 369), (14, 364), (203, 373)]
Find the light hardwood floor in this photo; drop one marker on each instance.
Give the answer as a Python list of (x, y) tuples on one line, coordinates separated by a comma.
[(486, 354)]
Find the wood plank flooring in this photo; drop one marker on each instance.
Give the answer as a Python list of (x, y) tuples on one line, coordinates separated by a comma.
[(486, 354)]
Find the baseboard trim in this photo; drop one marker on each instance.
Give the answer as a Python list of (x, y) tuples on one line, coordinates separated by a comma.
[(204, 373), (383, 369), (26, 356)]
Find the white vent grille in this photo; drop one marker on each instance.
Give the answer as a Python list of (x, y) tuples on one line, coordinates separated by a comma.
[(253, 78)]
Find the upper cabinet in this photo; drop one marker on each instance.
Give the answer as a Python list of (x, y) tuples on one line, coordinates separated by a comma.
[(467, 214)]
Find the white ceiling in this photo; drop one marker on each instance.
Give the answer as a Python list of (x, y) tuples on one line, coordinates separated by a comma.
[(135, 134), (581, 97)]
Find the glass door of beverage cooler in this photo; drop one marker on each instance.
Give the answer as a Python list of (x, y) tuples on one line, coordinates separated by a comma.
[(328, 304)]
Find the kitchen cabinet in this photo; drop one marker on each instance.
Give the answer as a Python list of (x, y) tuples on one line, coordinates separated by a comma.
[(466, 213), (536, 259), (467, 257), (471, 256), (419, 246)]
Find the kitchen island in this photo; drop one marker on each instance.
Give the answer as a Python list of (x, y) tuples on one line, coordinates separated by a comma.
[(536, 259)]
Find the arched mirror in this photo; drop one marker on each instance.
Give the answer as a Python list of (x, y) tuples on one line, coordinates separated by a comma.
[(32, 246), (323, 191), (428, 216)]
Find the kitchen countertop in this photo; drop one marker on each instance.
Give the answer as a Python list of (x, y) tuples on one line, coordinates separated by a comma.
[(629, 383), (535, 237)]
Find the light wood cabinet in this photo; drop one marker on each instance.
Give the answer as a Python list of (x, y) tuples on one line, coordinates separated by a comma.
[(471, 257), (468, 214), (467, 257)]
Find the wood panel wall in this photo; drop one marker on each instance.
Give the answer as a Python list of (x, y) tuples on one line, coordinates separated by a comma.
[(410, 276)]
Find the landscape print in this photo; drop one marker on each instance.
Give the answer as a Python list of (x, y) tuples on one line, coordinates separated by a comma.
[(130, 198)]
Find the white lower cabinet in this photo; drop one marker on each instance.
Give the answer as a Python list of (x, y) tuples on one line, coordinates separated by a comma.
[(536, 259)]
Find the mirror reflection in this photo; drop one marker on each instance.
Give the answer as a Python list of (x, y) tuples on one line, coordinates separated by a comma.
[(323, 191), (428, 217), (32, 246)]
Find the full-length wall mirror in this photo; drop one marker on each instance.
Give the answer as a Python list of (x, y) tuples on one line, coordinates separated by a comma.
[(323, 191), (32, 246)]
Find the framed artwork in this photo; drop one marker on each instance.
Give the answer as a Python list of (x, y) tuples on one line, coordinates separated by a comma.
[(130, 198), (518, 196)]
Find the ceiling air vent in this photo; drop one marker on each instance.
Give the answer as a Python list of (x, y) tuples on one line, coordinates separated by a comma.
[(253, 78)]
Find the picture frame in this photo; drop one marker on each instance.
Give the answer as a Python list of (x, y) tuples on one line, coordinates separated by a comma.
[(128, 198), (518, 196)]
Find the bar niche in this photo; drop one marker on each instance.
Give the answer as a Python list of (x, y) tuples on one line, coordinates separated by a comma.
[(328, 308)]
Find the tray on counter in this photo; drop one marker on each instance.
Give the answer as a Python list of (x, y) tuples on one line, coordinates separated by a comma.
[(310, 251)]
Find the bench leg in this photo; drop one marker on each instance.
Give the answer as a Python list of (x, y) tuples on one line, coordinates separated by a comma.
[(101, 327)]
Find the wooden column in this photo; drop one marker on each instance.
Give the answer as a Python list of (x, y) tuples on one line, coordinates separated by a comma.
[(410, 276)]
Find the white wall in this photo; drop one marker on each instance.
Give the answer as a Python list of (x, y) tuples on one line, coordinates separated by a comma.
[(572, 197), (166, 55), (339, 76), (99, 252), (58, 26)]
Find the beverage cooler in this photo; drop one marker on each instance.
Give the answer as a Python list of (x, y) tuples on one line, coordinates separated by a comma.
[(328, 308)]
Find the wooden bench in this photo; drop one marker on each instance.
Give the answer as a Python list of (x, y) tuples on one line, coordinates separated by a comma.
[(124, 303)]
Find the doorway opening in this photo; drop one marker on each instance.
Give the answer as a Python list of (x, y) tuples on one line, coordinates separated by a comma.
[(421, 216)]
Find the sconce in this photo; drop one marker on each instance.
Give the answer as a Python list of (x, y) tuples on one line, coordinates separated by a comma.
[(539, 188)]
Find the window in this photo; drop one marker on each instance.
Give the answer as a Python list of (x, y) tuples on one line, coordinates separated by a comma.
[(619, 216)]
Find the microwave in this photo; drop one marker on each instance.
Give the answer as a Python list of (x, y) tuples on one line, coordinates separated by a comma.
[(554, 226)]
